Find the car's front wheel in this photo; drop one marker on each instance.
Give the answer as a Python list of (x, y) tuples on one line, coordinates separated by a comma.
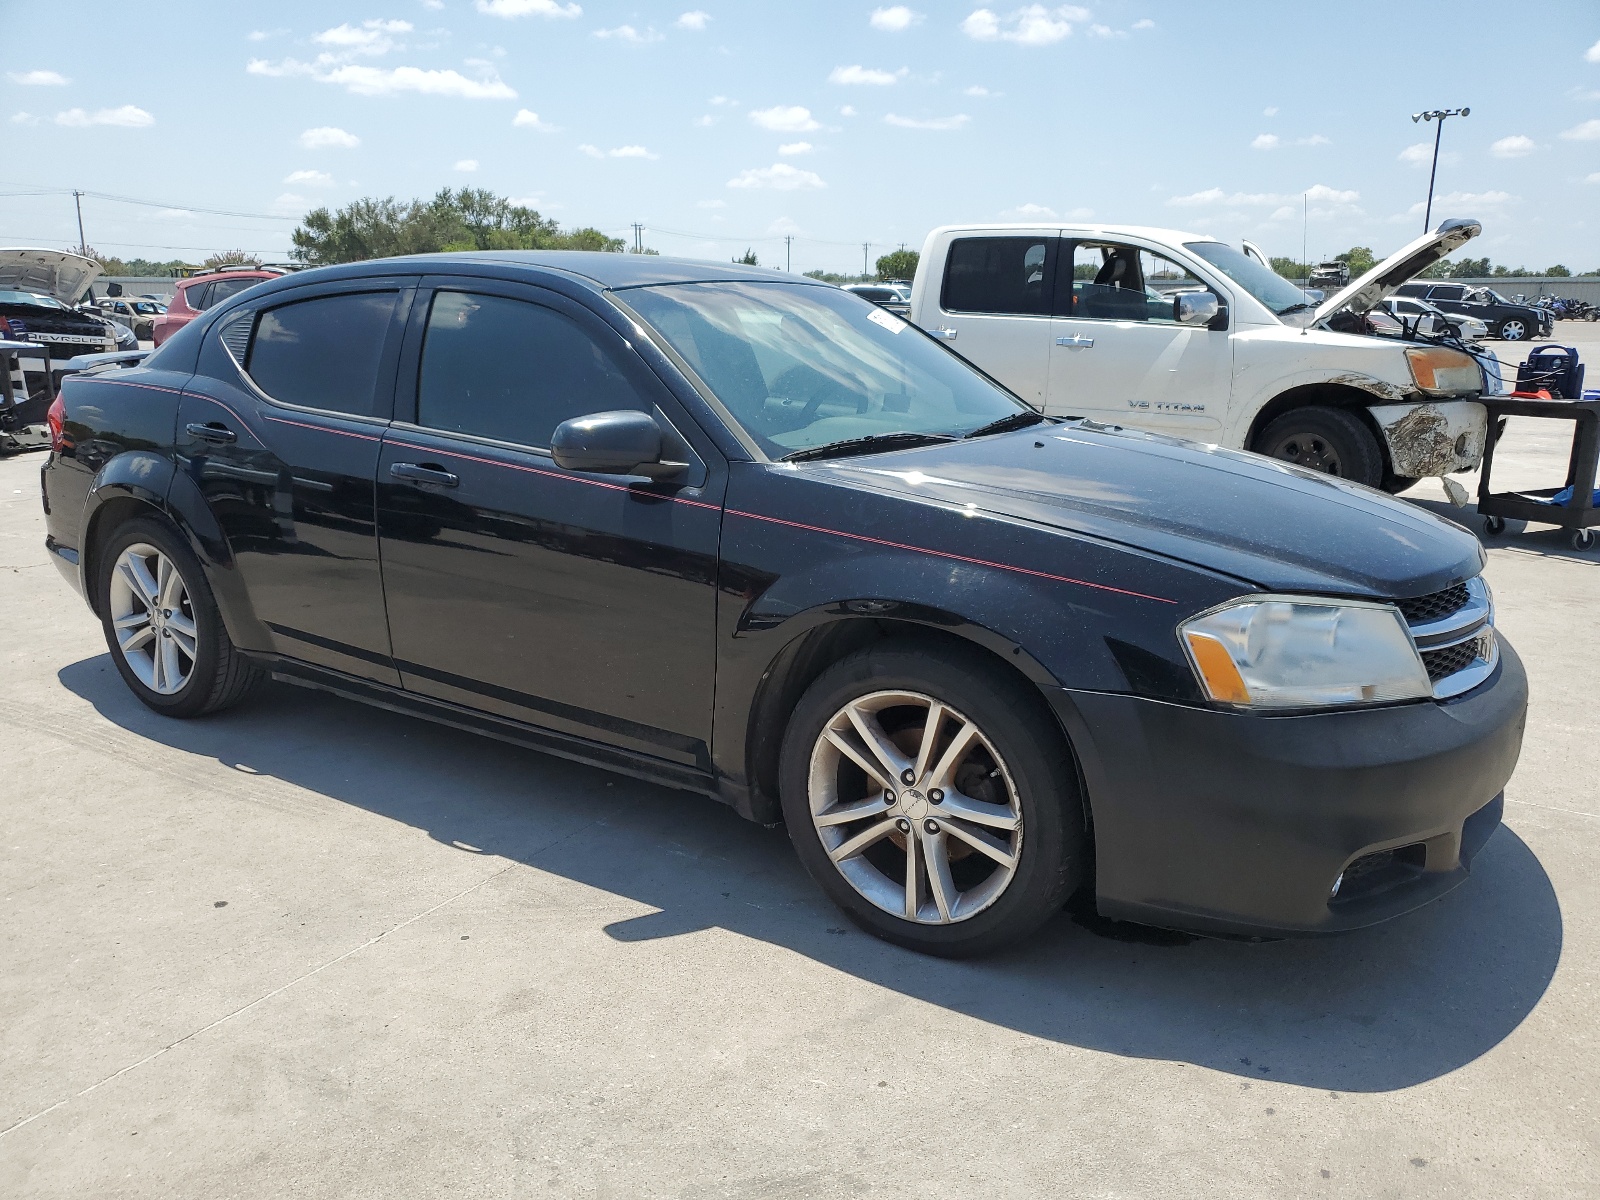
[(932, 800), (1512, 330), (1329, 440), (162, 625)]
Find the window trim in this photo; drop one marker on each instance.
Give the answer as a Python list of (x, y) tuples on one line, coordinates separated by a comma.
[(1052, 253)]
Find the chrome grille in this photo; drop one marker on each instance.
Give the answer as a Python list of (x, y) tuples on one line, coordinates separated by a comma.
[(1454, 633), (1422, 609)]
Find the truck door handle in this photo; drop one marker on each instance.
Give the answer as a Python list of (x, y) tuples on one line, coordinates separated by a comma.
[(214, 432), (946, 335), (423, 473), (1075, 340)]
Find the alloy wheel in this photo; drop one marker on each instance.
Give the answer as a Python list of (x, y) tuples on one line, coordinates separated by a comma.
[(1513, 331), (915, 807), (153, 618)]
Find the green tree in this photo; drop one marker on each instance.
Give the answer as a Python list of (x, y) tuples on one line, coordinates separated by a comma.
[(898, 264), (1290, 269), (830, 277), (1557, 272), (470, 219), (748, 258), (1359, 258), (231, 258)]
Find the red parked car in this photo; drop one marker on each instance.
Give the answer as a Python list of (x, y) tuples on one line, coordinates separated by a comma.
[(199, 292)]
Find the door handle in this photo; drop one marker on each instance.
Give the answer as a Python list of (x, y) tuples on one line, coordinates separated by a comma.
[(1075, 340), (423, 473), (214, 432), (946, 335)]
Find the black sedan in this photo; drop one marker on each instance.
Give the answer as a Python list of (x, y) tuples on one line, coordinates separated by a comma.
[(1508, 321), (755, 537)]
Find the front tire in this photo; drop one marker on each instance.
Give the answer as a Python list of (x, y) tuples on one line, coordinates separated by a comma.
[(932, 800), (162, 625), (1512, 330), (1329, 440)]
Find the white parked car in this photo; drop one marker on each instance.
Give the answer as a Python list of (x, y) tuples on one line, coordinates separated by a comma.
[(1432, 321), (1182, 334)]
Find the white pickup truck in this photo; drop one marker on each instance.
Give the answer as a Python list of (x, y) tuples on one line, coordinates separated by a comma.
[(1185, 335)]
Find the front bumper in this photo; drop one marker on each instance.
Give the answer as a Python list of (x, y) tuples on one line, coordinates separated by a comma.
[(1431, 438), (1230, 823)]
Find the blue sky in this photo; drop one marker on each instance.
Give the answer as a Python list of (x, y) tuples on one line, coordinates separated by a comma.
[(723, 125)]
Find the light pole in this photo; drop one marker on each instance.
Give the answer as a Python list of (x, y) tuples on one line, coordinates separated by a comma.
[(1439, 115)]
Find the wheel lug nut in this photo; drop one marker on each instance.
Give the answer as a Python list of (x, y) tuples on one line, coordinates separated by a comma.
[(166, 614), (888, 797), (931, 826), (903, 825), (166, 633), (936, 797), (908, 777)]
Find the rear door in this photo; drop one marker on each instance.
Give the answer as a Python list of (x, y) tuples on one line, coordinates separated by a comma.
[(993, 306), (280, 430), (1119, 354), (580, 603)]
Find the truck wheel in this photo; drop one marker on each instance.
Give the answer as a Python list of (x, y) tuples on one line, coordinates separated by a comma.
[(1328, 440), (1512, 330)]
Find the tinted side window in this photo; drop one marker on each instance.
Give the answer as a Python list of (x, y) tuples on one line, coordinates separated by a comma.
[(223, 288), (195, 296), (997, 275), (513, 371), (1448, 292), (323, 353)]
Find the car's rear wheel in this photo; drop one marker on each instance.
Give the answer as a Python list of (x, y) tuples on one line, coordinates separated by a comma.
[(1512, 330), (1328, 440), (932, 800), (162, 625)]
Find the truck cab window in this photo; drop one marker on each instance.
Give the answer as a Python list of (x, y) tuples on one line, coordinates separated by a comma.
[(1113, 281), (1005, 275)]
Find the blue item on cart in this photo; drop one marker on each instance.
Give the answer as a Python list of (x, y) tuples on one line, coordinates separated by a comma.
[(1565, 495), (1554, 369)]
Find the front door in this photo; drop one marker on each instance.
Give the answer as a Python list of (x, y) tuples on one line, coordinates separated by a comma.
[(280, 431), (584, 604), (994, 307), (1119, 355)]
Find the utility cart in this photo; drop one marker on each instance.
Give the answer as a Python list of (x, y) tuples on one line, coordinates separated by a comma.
[(1575, 511)]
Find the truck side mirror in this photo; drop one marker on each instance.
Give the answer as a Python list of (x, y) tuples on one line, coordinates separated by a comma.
[(1195, 308)]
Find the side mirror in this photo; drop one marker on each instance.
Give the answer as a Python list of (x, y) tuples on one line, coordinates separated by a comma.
[(622, 442), (1195, 308)]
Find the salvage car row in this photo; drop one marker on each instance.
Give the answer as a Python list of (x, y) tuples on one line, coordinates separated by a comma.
[(750, 535)]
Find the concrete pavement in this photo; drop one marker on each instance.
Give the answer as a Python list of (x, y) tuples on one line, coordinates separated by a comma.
[(311, 949)]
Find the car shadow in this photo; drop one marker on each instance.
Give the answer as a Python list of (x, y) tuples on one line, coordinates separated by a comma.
[(1546, 540), (1372, 1011)]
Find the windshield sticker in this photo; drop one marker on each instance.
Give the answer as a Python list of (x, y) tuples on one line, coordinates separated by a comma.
[(889, 321)]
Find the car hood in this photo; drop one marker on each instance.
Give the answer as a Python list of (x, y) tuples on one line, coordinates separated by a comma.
[(48, 272), (1363, 294), (1270, 524)]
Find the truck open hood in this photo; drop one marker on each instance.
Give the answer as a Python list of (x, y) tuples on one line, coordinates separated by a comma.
[(65, 277), (1363, 294)]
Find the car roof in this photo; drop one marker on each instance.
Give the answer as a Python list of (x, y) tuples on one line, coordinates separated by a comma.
[(1078, 229), (599, 268)]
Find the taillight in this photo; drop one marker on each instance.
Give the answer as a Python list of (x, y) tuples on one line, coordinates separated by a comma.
[(5, 329), (56, 418)]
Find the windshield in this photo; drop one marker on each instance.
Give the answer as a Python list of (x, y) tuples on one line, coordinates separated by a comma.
[(1486, 296), (1265, 284), (8, 296), (800, 367)]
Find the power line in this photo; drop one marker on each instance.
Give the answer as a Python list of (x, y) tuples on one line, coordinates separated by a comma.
[(39, 190)]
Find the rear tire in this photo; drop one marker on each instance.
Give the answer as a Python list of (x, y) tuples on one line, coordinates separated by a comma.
[(957, 870), (1329, 440), (162, 625)]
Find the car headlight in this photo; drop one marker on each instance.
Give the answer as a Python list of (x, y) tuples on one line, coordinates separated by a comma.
[(1301, 652), (1440, 369)]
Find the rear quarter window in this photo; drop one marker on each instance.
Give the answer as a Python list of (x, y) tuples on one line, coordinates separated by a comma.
[(323, 352)]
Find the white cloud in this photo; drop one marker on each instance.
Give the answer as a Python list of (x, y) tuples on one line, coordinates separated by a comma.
[(1592, 177), (627, 33), (127, 117), (779, 177), (789, 149), (1216, 198), (1265, 141), (315, 178), (1030, 25), (695, 20), (328, 136), (290, 201), (847, 111), (1270, 112), (526, 118), (1417, 154), (721, 100), (785, 118), (1514, 146), (1464, 200), (376, 81), (1321, 193), (371, 38), (705, 121), (1316, 139), (1589, 131), (1592, 54), (591, 151), (618, 152), (1144, 23), (895, 19), (23, 118), (943, 124), (466, 164), (1023, 212), (433, 4), (527, 8), (870, 75), (37, 78), (782, 226), (978, 89), (1105, 31), (712, 204)]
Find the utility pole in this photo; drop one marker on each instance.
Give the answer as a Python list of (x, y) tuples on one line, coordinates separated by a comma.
[(1305, 226), (864, 248), (1439, 115), (788, 241), (638, 237), (83, 244)]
